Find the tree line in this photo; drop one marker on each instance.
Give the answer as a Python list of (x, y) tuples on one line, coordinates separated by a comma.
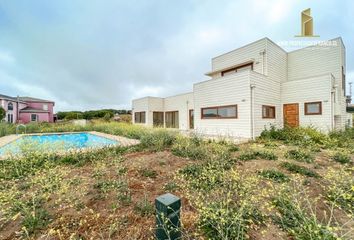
[(91, 114)]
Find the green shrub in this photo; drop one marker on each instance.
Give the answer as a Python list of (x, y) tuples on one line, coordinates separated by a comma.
[(193, 148), (274, 175), (341, 157), (300, 156), (291, 167)]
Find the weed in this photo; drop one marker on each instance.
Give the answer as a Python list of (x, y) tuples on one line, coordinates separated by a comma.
[(171, 187), (144, 207), (300, 156), (274, 175), (291, 167), (341, 157), (257, 154), (146, 172)]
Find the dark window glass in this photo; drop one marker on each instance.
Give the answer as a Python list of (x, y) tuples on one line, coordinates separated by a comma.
[(220, 112)]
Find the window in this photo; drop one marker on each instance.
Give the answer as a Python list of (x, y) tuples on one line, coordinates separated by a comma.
[(219, 112), (45, 107), (343, 81), (10, 118), (158, 119), (313, 108), (139, 117), (10, 107), (34, 117), (268, 111), (248, 66), (172, 119)]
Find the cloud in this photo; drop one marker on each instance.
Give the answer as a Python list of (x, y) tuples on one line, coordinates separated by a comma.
[(99, 55)]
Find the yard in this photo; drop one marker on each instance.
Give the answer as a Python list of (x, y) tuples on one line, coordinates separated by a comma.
[(289, 184)]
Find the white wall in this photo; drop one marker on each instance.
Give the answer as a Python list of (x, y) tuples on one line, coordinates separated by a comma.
[(313, 89), (181, 103), (228, 90), (266, 92), (141, 105), (242, 55)]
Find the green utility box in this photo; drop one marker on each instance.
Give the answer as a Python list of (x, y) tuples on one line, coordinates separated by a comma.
[(168, 223)]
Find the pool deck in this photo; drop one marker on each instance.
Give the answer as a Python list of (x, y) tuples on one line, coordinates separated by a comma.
[(123, 141)]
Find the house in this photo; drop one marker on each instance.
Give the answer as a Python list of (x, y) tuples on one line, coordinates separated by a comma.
[(257, 86), (26, 109)]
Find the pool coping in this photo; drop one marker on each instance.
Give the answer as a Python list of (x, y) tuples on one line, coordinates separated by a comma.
[(122, 141)]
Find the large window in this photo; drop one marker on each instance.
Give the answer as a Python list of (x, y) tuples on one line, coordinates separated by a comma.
[(34, 117), (268, 111), (343, 81), (219, 112), (139, 117), (313, 108), (248, 66), (158, 119), (172, 119), (10, 107)]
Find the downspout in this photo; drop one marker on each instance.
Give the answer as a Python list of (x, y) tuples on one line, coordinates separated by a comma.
[(253, 135), (17, 109)]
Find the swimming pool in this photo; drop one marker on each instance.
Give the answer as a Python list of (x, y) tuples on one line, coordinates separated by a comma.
[(55, 142)]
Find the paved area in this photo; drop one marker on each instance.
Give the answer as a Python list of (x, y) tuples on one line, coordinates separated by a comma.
[(123, 141), (9, 138)]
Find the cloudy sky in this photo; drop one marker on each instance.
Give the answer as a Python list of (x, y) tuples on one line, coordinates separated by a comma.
[(88, 54)]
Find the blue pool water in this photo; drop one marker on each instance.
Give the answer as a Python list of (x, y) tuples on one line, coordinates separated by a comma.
[(52, 142)]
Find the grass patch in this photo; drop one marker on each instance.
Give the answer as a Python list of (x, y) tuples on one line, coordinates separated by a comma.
[(294, 168), (274, 175)]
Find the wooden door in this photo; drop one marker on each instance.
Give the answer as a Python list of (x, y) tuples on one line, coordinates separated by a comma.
[(291, 114)]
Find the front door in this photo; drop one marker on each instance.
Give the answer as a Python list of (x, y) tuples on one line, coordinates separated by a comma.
[(291, 114)]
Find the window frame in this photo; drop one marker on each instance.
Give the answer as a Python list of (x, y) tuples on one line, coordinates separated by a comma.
[(235, 68), (37, 117), (140, 117), (269, 117), (317, 113), (8, 106), (173, 124), (217, 112)]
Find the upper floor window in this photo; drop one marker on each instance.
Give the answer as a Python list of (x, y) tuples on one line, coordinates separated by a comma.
[(10, 107), (45, 107), (248, 66), (268, 111), (313, 108), (219, 112), (139, 117), (343, 81)]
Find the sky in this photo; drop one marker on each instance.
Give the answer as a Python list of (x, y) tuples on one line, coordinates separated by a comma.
[(93, 54)]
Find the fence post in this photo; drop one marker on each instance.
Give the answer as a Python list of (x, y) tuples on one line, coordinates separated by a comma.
[(168, 217)]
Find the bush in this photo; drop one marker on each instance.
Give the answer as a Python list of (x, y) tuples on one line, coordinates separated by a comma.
[(300, 156), (291, 167), (2, 113)]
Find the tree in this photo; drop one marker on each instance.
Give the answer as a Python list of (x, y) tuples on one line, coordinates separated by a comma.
[(2, 114)]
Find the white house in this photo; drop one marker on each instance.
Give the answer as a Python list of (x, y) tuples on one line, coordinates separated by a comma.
[(256, 86)]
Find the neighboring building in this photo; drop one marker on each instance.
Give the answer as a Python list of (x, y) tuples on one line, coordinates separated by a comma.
[(256, 86), (27, 109)]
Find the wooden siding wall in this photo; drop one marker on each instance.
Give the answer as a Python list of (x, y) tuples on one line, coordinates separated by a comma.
[(181, 103), (228, 90), (311, 89)]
